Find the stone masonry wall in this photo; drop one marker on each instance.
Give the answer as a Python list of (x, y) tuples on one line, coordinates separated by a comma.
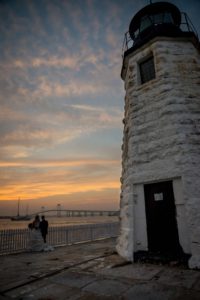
[(162, 133)]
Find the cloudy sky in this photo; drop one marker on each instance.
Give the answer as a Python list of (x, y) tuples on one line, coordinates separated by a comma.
[(62, 100)]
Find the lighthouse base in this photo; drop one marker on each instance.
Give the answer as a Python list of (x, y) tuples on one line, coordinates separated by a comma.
[(194, 262)]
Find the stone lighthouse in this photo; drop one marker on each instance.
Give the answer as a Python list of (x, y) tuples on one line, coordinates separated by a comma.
[(160, 183)]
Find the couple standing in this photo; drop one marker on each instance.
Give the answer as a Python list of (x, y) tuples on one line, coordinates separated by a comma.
[(39, 230), (42, 226)]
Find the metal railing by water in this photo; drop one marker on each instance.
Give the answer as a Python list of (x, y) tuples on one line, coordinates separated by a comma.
[(17, 240)]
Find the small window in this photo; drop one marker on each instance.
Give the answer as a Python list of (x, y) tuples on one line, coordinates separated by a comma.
[(147, 70), (158, 19), (168, 18), (145, 23)]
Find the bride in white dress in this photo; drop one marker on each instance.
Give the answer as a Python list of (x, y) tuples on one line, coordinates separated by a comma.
[(36, 243)]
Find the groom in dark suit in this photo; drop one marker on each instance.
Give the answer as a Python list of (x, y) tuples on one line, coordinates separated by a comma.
[(44, 228)]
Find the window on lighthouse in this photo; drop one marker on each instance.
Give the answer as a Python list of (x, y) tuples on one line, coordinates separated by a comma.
[(147, 70)]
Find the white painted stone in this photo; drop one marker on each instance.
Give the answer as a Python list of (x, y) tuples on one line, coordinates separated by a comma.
[(194, 262), (183, 229), (140, 241), (162, 141)]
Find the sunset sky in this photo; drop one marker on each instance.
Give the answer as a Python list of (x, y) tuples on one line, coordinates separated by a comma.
[(62, 101)]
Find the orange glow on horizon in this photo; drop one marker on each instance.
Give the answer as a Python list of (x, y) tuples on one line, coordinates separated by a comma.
[(46, 178), (56, 163), (35, 191)]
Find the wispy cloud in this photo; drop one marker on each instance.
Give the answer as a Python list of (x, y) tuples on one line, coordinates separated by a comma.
[(41, 178), (55, 126), (58, 163), (71, 62)]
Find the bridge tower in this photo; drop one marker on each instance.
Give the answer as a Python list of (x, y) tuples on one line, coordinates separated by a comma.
[(58, 210), (160, 191), (42, 209)]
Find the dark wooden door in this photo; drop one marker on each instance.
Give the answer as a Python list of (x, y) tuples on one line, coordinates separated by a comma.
[(161, 218)]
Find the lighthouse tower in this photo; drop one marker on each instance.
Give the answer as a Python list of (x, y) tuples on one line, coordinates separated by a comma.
[(160, 183)]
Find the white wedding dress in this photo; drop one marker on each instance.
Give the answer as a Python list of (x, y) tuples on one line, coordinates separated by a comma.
[(36, 242)]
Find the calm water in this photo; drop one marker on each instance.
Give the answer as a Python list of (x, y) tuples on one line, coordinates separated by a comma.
[(58, 221)]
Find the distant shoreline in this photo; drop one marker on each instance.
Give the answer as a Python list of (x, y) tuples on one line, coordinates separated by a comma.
[(7, 223)]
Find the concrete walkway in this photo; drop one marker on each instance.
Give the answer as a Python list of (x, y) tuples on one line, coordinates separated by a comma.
[(92, 271)]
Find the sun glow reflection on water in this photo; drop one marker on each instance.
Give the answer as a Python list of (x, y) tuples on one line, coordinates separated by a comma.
[(58, 221)]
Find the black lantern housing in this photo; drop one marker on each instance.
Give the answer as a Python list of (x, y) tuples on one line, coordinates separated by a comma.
[(160, 19)]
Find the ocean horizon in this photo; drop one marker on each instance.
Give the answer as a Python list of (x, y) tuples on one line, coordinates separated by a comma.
[(6, 223)]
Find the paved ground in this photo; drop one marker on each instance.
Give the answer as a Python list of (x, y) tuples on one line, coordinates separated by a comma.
[(92, 271)]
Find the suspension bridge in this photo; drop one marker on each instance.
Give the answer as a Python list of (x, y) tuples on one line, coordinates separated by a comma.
[(76, 213)]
